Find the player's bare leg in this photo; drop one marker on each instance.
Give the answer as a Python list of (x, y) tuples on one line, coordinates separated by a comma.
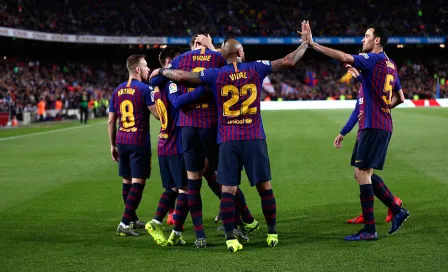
[(227, 209), (363, 176), (179, 216), (132, 202), (269, 207)]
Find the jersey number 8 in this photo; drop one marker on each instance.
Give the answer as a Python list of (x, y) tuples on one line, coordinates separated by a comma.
[(127, 114)]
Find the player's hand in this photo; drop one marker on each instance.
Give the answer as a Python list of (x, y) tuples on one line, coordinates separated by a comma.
[(353, 72), (154, 73), (114, 153), (360, 115), (310, 34), (205, 41), (304, 33), (338, 141)]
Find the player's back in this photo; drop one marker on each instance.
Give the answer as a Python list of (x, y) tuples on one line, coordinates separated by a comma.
[(380, 79), (237, 92), (129, 102), (203, 113), (169, 137)]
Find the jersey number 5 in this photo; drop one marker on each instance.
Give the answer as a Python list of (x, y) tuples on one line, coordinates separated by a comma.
[(127, 114), (235, 97), (388, 89)]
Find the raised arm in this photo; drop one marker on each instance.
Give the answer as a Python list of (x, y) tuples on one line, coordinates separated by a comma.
[(292, 58), (332, 53)]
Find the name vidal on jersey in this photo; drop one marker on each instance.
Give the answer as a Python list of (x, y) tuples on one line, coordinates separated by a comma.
[(202, 58), (238, 75)]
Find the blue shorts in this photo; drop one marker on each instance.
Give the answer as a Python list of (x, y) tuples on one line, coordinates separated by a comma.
[(172, 171), (199, 144), (371, 149), (252, 154), (134, 161)]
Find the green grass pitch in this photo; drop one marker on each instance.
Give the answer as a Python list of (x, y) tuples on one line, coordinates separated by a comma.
[(60, 201)]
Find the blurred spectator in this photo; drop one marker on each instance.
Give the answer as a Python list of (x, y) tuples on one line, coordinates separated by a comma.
[(219, 17)]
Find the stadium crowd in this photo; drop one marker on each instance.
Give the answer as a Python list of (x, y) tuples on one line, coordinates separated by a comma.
[(220, 17), (30, 84)]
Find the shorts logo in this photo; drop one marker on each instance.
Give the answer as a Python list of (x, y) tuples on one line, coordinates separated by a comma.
[(172, 88), (365, 56), (358, 161)]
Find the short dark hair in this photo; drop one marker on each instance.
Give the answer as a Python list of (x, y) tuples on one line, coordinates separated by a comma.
[(168, 52), (133, 61), (197, 34), (380, 32)]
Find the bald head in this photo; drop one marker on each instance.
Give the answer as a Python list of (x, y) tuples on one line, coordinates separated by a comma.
[(232, 49)]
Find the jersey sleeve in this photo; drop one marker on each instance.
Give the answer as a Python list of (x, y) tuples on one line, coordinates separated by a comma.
[(112, 103), (158, 81), (209, 76), (351, 122), (365, 61), (397, 86), (264, 67), (148, 94), (178, 100)]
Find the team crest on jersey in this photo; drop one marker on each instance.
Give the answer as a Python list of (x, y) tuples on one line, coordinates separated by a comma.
[(265, 62), (152, 96), (365, 56), (172, 88)]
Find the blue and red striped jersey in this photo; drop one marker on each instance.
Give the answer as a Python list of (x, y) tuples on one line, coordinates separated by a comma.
[(203, 113), (380, 79), (130, 101), (168, 100), (237, 88), (170, 142)]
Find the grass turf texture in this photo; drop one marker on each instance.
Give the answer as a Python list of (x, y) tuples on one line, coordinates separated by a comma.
[(60, 202)]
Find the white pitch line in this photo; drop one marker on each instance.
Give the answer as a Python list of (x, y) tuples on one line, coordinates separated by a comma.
[(48, 132)]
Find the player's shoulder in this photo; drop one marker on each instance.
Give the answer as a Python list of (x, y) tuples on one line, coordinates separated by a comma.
[(211, 52), (120, 86)]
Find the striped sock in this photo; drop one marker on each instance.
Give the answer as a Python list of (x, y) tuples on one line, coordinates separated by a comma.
[(132, 202), (367, 202), (181, 211), (135, 217), (166, 202), (195, 205), (227, 209), (125, 191), (241, 207), (211, 178), (269, 208), (384, 194), (237, 217)]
